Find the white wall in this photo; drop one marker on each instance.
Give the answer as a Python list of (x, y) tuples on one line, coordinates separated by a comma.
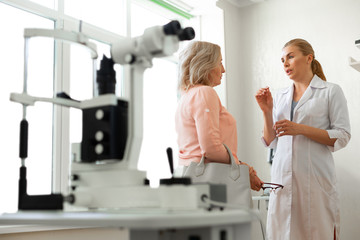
[(254, 39), (212, 30)]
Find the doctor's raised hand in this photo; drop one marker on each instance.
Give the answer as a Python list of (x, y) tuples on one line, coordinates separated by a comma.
[(304, 123), (264, 99)]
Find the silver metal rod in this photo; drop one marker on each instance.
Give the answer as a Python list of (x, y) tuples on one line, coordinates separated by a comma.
[(26, 60), (80, 26), (26, 56), (95, 90), (24, 111)]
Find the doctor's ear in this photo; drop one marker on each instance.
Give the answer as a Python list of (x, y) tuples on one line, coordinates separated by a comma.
[(310, 58)]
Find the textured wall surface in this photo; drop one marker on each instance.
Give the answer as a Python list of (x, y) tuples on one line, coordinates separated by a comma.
[(254, 37)]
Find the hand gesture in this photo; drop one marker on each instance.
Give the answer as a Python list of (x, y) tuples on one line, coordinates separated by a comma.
[(264, 99), (286, 127)]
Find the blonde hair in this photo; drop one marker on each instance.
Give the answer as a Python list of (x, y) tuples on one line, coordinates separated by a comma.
[(196, 62), (307, 49)]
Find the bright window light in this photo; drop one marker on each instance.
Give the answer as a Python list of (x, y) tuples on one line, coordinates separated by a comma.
[(106, 14), (45, 3), (160, 101)]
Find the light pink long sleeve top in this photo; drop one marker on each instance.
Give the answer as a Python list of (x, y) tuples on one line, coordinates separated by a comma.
[(203, 125)]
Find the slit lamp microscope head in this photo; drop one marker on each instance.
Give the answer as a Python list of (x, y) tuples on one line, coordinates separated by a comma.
[(157, 41)]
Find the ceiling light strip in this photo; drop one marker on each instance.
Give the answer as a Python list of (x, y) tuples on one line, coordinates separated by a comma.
[(172, 8)]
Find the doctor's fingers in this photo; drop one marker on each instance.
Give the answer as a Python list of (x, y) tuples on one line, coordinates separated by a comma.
[(283, 128), (292, 130), (260, 96), (283, 123), (280, 133), (263, 91)]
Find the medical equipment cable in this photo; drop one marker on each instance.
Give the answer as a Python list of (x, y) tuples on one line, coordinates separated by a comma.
[(206, 199)]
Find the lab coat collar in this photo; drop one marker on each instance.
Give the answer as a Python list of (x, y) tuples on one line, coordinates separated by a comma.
[(288, 93), (286, 90), (315, 83)]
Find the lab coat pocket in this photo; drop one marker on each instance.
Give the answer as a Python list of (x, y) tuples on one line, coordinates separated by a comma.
[(322, 171)]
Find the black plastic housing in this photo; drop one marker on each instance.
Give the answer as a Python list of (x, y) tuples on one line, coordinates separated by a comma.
[(114, 127), (36, 202)]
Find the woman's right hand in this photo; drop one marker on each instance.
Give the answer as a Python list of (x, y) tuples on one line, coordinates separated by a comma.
[(255, 181), (264, 99)]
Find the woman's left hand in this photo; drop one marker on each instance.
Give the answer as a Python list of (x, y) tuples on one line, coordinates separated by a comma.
[(286, 127)]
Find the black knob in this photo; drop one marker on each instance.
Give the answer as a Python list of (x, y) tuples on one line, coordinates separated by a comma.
[(74, 177), (106, 76), (186, 34), (172, 28), (170, 159)]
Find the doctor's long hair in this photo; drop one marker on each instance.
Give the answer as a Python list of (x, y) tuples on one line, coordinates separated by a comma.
[(196, 62), (307, 49)]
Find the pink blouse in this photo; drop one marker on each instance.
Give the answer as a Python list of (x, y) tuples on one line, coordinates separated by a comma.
[(203, 125)]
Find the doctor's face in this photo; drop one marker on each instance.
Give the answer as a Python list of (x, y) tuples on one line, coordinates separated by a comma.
[(296, 65), (216, 73)]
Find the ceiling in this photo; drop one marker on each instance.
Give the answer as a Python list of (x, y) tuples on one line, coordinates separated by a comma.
[(243, 3), (199, 6)]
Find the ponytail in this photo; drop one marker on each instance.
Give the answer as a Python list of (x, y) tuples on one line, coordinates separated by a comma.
[(317, 69)]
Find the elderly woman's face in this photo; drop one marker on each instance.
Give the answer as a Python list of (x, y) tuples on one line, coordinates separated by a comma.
[(216, 73)]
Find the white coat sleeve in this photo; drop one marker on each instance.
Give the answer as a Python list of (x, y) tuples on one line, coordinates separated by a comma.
[(271, 145), (339, 119)]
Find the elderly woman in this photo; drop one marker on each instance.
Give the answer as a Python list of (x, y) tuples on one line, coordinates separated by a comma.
[(203, 125)]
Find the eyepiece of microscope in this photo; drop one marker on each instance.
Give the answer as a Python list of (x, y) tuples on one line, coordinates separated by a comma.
[(106, 76), (172, 28), (186, 34)]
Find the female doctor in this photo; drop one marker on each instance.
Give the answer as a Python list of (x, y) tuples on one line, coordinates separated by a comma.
[(305, 123)]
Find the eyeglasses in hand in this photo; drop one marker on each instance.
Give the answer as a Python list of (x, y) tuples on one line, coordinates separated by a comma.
[(272, 186)]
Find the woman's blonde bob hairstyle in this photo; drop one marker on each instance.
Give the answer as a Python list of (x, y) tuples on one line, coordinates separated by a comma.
[(196, 62), (307, 49)]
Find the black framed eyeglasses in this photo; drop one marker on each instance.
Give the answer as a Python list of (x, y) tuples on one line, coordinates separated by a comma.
[(273, 187)]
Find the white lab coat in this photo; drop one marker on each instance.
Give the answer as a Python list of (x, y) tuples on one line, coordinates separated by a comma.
[(307, 207)]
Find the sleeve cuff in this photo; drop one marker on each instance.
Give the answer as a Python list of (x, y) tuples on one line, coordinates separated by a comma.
[(271, 145), (342, 139)]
